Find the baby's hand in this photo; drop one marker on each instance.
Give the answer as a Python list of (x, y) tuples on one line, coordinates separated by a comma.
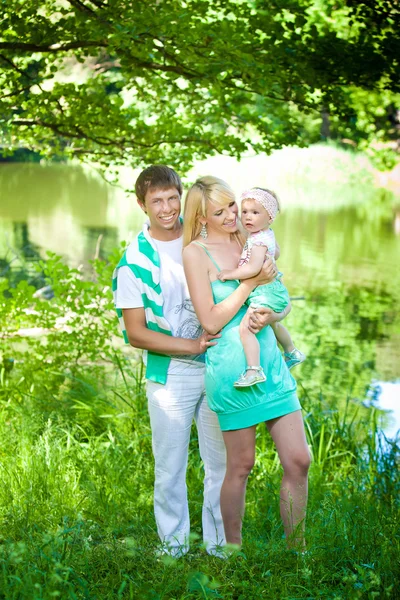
[(222, 275)]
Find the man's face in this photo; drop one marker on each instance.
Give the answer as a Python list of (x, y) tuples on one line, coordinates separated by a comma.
[(163, 208)]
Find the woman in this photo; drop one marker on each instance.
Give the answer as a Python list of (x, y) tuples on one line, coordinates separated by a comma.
[(212, 242)]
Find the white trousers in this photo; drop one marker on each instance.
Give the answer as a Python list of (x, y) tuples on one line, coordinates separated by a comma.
[(172, 408)]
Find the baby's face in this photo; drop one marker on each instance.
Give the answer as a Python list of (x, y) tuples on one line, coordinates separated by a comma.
[(254, 216)]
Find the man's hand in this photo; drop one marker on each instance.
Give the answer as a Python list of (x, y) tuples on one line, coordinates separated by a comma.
[(262, 316), (206, 340)]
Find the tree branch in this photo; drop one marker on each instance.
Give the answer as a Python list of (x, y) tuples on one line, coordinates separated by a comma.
[(58, 128), (16, 93), (81, 6), (14, 66), (122, 144), (97, 3), (26, 47)]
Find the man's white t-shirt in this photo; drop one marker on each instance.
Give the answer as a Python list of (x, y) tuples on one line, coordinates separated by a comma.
[(178, 309)]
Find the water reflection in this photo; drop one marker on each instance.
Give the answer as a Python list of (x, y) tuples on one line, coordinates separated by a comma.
[(23, 242), (385, 395), (337, 246), (30, 189), (396, 224), (100, 241), (63, 208), (18, 262)]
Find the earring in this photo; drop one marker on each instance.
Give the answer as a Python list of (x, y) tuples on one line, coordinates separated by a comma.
[(203, 231)]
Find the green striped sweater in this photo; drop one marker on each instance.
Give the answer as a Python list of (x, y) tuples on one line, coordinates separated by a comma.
[(142, 258)]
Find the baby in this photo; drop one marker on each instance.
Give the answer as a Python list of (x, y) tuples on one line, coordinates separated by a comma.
[(259, 209)]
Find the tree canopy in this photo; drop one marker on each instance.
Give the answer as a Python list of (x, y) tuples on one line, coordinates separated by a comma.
[(144, 81)]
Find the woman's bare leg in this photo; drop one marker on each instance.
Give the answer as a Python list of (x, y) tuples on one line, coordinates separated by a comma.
[(290, 441), (283, 336), (250, 343), (240, 452)]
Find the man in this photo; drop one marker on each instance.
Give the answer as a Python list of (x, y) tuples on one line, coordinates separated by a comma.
[(156, 314)]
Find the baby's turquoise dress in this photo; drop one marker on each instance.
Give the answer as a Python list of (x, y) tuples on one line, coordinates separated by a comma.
[(238, 408)]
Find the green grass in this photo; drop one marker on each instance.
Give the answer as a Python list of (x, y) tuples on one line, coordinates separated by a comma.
[(77, 519)]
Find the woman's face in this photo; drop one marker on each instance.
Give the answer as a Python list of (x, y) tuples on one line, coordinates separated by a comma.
[(222, 219)]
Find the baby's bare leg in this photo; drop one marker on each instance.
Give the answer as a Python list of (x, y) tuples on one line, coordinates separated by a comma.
[(283, 337), (250, 343)]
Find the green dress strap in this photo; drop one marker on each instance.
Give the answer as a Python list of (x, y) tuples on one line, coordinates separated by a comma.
[(208, 254)]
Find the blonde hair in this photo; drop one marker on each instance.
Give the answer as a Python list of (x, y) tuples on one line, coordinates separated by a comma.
[(204, 190)]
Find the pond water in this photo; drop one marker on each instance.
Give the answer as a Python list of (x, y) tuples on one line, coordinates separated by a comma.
[(340, 253)]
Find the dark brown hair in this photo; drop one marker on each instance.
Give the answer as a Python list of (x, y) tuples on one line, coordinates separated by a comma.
[(156, 177)]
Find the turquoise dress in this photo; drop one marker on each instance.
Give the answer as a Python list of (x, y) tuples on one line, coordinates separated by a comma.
[(238, 408)]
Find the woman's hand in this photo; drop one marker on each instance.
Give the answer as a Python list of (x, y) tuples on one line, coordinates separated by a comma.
[(263, 316), (267, 274)]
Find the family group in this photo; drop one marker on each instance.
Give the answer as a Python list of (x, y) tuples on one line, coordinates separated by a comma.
[(204, 299)]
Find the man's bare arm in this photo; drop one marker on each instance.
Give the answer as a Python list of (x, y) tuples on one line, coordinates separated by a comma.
[(140, 336)]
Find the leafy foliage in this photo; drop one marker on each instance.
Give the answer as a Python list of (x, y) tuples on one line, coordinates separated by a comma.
[(75, 328), (178, 81)]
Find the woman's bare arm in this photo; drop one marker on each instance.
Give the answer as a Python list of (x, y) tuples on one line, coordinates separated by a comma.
[(213, 317), (248, 270)]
